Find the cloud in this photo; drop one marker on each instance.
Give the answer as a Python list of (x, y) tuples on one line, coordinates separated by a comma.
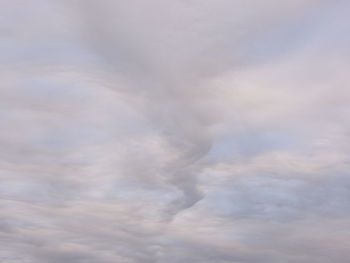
[(174, 131)]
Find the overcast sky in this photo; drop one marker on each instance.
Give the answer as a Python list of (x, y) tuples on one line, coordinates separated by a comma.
[(174, 131)]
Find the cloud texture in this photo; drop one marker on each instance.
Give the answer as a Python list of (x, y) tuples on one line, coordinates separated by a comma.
[(168, 131)]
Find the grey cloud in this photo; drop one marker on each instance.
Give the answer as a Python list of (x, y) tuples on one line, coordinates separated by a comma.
[(174, 131), (185, 38)]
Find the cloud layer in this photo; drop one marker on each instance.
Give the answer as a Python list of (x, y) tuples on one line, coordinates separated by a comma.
[(167, 131)]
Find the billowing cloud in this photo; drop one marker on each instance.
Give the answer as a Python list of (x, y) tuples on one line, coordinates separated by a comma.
[(174, 131)]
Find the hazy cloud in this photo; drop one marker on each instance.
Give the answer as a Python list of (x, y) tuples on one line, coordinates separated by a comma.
[(174, 131)]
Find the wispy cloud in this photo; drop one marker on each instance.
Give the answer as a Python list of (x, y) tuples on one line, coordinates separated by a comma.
[(174, 131)]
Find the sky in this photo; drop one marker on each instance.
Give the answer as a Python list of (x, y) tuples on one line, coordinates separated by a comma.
[(168, 131)]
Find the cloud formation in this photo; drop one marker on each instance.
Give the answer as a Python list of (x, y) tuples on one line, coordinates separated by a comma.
[(174, 131)]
